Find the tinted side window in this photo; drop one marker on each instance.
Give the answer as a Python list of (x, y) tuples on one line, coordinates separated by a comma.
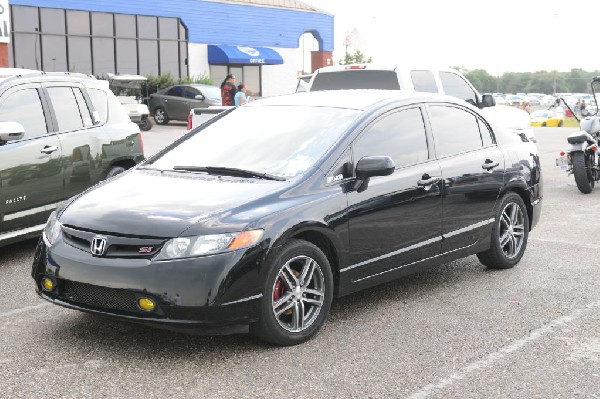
[(190, 93), (424, 81), (65, 108), (86, 116), (455, 130), (356, 79), (400, 135), (100, 103), (25, 107), (454, 85), (176, 91)]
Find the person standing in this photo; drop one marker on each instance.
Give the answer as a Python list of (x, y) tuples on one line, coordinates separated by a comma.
[(577, 108), (228, 90), (240, 97)]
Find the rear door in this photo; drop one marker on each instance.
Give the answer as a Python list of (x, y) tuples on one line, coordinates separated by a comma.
[(80, 140), (473, 174), (31, 175), (397, 219)]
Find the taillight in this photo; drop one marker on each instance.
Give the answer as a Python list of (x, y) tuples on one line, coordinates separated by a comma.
[(562, 154), (189, 126), (141, 142)]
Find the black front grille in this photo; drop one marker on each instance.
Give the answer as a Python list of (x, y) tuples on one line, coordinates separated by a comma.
[(100, 297)]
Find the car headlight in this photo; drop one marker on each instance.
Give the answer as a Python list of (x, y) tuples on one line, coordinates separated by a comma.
[(186, 247), (52, 230)]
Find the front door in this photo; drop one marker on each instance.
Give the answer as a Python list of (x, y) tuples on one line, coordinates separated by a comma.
[(31, 174), (396, 221)]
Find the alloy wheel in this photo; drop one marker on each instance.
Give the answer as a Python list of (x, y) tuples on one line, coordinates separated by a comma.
[(512, 230), (298, 293)]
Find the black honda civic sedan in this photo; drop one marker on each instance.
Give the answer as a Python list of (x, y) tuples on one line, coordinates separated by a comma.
[(262, 216)]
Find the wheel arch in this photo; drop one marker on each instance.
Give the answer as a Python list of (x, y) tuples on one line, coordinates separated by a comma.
[(524, 194), (126, 163), (322, 238)]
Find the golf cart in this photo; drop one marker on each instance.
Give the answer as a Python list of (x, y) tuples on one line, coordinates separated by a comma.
[(128, 89)]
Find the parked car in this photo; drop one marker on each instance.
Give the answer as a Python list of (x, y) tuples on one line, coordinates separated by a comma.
[(546, 118), (175, 102), (419, 79), (320, 195), (59, 135), (514, 100), (548, 100)]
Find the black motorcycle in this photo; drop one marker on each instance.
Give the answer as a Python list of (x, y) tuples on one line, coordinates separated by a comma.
[(582, 160)]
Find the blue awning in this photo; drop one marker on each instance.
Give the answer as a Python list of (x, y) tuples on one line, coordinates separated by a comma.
[(242, 55)]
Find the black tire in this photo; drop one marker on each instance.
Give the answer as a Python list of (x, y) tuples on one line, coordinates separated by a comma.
[(160, 116), (286, 297), (560, 123), (509, 234), (582, 170), (146, 124), (115, 170)]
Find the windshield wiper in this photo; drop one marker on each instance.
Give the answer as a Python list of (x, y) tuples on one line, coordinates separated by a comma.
[(225, 171)]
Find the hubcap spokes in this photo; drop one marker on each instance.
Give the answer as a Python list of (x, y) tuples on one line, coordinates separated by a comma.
[(512, 230), (299, 303)]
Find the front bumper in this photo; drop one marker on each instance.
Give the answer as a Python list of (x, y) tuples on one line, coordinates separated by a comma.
[(212, 294)]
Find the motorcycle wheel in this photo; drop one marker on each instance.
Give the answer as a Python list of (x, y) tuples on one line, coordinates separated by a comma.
[(582, 170), (145, 124)]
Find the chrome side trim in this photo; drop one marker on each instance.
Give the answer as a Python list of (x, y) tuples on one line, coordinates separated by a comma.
[(421, 244), (468, 228), (29, 212), (401, 250), (410, 264), (243, 299), (22, 232)]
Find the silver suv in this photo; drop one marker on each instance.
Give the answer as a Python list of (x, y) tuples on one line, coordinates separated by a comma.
[(60, 133)]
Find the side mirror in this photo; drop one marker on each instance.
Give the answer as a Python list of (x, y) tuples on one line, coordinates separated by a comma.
[(487, 100), (199, 97), (374, 166), (10, 131)]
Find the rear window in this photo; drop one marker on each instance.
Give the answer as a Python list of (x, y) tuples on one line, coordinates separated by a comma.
[(356, 79)]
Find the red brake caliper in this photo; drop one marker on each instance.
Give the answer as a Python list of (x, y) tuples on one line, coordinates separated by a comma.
[(279, 290)]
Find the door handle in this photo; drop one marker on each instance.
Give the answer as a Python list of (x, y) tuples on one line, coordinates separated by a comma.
[(49, 149), (489, 164)]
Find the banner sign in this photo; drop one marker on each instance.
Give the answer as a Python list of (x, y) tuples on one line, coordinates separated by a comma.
[(4, 22)]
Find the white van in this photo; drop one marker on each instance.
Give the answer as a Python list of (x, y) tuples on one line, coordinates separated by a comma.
[(441, 80)]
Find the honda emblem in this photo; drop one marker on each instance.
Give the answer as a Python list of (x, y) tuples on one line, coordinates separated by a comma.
[(98, 246)]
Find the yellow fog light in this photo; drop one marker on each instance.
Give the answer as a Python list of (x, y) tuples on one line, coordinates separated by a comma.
[(48, 284), (146, 304)]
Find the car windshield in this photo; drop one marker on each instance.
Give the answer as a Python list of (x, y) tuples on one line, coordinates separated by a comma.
[(283, 141), (211, 92)]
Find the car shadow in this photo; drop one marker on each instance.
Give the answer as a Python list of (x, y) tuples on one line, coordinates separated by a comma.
[(115, 337)]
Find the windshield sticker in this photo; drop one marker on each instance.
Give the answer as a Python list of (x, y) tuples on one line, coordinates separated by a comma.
[(331, 179)]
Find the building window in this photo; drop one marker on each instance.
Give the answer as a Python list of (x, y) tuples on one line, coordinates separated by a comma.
[(249, 75), (97, 42)]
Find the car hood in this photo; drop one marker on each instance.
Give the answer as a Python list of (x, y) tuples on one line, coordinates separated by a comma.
[(163, 204)]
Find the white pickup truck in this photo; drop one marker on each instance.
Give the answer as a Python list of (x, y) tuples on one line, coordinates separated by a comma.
[(198, 116)]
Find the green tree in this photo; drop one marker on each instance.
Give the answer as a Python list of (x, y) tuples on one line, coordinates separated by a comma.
[(482, 80), (356, 58)]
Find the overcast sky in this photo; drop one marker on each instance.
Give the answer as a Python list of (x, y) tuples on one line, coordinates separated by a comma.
[(495, 35)]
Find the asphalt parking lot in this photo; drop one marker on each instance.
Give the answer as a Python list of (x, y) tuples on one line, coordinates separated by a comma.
[(457, 331)]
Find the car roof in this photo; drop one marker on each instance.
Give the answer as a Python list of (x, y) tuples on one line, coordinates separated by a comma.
[(38, 76), (384, 67), (355, 99)]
